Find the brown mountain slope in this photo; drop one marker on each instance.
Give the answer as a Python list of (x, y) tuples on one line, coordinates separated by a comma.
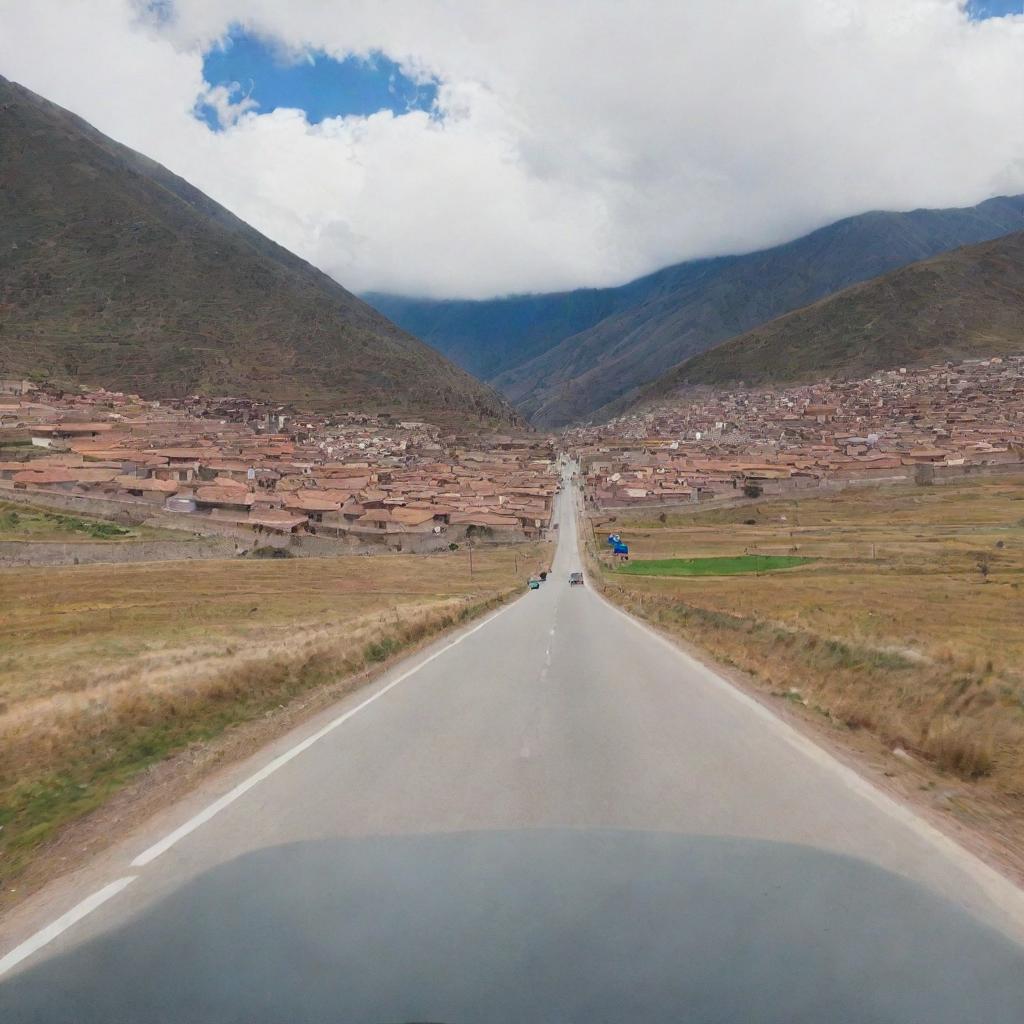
[(114, 271), (684, 310), (963, 304)]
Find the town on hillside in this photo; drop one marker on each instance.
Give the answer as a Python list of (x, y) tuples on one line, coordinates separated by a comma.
[(908, 425), (271, 477)]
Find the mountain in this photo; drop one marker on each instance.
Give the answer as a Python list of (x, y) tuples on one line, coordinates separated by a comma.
[(491, 336), (115, 271), (568, 356), (963, 304)]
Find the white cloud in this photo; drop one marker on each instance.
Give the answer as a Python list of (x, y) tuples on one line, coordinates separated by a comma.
[(581, 143), (228, 102)]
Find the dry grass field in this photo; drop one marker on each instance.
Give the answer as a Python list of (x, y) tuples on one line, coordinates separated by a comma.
[(909, 621), (106, 669)]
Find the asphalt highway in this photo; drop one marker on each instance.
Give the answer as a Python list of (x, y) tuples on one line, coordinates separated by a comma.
[(553, 815)]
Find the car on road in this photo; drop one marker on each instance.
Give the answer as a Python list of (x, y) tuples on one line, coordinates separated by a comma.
[(575, 579), (534, 584)]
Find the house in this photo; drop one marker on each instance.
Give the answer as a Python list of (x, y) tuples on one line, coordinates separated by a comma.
[(485, 521), (16, 386), (48, 479), (221, 499), (149, 488), (415, 520), (310, 505), (275, 521)]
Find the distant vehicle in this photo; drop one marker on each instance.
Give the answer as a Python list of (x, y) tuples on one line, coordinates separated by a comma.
[(535, 584), (575, 578)]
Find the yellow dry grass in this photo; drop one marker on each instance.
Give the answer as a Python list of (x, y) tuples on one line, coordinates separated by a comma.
[(105, 669), (909, 623)]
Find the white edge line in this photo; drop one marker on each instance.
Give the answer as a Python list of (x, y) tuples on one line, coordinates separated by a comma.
[(267, 770), (995, 884), (46, 935)]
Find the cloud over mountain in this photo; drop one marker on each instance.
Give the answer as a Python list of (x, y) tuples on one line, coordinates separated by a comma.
[(578, 143)]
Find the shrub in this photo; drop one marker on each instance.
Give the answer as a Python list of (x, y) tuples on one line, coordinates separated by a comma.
[(381, 649), (955, 748), (271, 552), (752, 490)]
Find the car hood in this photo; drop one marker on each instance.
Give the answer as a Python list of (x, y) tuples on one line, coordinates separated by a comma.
[(536, 925)]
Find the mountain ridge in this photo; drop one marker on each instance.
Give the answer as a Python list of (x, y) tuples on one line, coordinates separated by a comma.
[(118, 272), (661, 319), (967, 303)]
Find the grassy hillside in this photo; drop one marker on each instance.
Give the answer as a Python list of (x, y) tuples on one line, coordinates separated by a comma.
[(491, 336), (962, 304), (117, 272), (585, 375), (494, 338), (580, 354)]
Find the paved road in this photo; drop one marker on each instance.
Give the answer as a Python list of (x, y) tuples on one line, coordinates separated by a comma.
[(558, 816)]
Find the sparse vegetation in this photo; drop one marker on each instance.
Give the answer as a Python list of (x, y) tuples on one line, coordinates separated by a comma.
[(108, 669), (270, 552), (22, 522), (903, 318), (883, 629), (163, 292), (717, 566)]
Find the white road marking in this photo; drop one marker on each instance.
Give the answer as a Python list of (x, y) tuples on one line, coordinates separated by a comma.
[(63, 923), (91, 903), (1000, 889), (279, 762)]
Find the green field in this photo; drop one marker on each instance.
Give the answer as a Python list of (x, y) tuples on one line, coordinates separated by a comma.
[(24, 522), (722, 566)]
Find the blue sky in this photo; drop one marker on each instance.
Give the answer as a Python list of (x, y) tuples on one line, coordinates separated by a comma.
[(982, 9), (324, 87), (582, 146), (318, 84)]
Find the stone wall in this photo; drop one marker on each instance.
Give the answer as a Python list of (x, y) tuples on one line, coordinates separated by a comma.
[(133, 512), (129, 510), (808, 487), (18, 552)]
